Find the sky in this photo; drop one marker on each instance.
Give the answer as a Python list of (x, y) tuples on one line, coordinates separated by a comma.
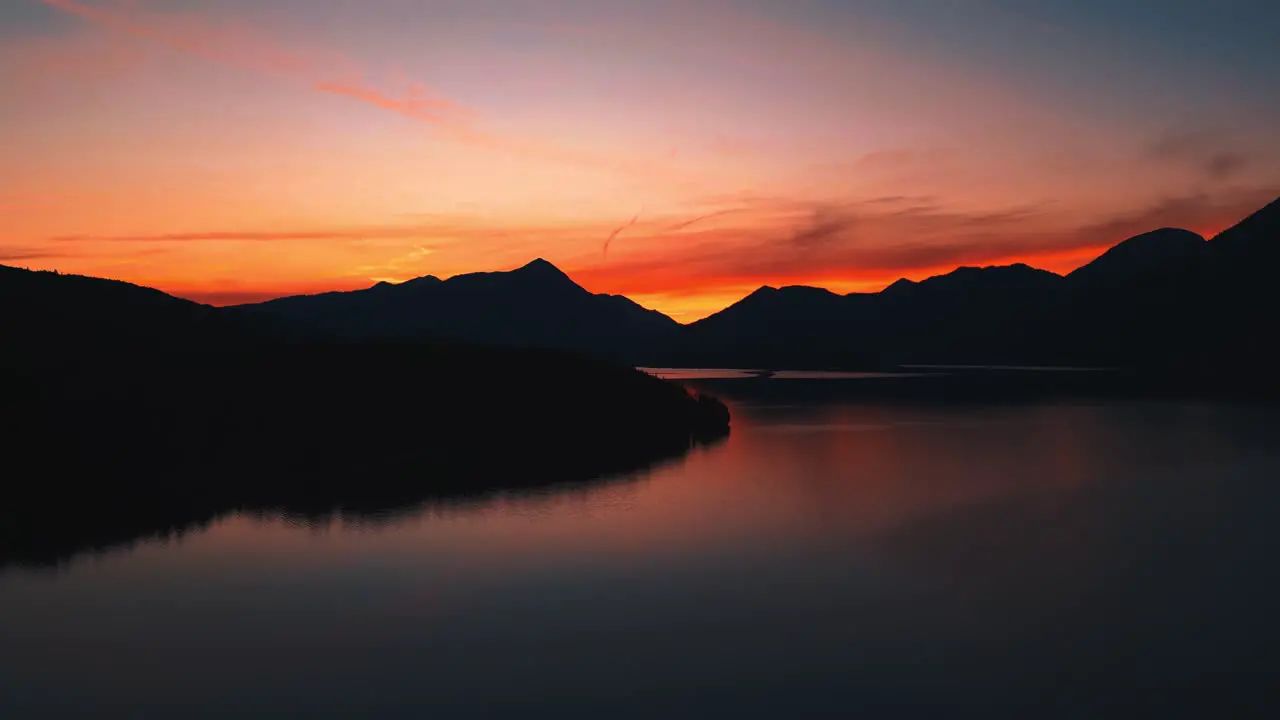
[(680, 152)]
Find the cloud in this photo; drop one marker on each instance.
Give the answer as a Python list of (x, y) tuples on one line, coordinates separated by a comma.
[(818, 245), (1211, 153), (15, 254), (1200, 212), (900, 199), (365, 233), (1226, 164), (826, 225), (1011, 215), (418, 103), (242, 47), (438, 228), (618, 232), (237, 46), (684, 224), (432, 233)]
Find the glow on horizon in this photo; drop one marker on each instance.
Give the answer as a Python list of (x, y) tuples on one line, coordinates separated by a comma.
[(234, 151)]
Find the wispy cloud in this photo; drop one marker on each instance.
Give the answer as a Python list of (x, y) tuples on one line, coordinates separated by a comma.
[(235, 45), (434, 227), (47, 252), (613, 235), (1204, 213), (418, 103), (16, 254), (356, 233), (827, 224), (242, 47), (1213, 154), (437, 228), (862, 243), (685, 224)]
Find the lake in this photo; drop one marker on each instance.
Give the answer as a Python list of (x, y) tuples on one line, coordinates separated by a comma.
[(1023, 560)]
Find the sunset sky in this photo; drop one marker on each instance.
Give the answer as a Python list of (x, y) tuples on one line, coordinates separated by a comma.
[(234, 150)]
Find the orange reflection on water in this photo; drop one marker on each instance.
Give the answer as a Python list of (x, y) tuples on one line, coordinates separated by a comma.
[(785, 475)]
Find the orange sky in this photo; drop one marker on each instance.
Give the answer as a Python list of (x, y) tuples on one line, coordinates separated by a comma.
[(234, 151)]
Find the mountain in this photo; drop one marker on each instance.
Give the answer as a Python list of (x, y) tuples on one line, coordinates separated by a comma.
[(1164, 299), (1254, 238), (1158, 256), (793, 326), (964, 315), (43, 312), (534, 306), (1240, 296)]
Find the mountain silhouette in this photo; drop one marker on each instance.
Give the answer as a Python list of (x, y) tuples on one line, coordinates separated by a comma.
[(1162, 254), (45, 313), (1167, 301), (1239, 297), (536, 305), (951, 318), (1254, 238)]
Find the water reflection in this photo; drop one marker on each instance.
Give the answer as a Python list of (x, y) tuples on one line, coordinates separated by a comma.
[(1044, 560), (742, 374), (45, 537)]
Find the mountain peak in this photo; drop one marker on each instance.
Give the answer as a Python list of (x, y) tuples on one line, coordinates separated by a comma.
[(424, 281), (543, 275), (1159, 251), (900, 285), (541, 266), (413, 284), (761, 294), (975, 273)]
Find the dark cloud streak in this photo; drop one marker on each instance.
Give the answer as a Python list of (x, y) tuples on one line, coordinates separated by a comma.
[(1211, 153), (19, 254), (827, 225), (618, 231)]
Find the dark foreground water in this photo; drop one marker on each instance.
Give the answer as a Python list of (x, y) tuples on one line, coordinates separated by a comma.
[(1027, 561)]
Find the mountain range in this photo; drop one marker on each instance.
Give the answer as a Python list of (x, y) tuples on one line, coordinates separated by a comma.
[(536, 305), (1167, 298)]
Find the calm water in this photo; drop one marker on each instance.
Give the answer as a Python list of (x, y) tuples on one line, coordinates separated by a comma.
[(1042, 561), (742, 374)]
